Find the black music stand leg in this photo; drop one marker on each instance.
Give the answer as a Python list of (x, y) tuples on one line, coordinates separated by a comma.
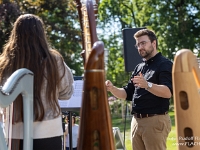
[(70, 130)]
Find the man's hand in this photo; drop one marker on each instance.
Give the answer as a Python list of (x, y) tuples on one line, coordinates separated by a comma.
[(140, 81), (109, 85), (117, 92)]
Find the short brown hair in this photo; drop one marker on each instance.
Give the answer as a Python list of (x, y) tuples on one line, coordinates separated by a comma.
[(147, 32)]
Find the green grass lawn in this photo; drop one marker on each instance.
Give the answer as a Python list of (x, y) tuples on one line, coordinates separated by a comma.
[(120, 123), (171, 140)]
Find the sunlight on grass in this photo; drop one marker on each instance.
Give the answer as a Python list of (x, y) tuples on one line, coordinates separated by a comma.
[(171, 140)]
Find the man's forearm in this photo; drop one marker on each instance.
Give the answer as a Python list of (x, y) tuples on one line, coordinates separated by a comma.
[(160, 90), (118, 92)]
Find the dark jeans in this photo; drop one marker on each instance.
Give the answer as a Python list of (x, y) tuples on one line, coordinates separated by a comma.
[(67, 148)]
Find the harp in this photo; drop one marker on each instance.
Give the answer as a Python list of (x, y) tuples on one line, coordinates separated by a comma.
[(20, 82), (87, 15), (95, 132), (186, 89)]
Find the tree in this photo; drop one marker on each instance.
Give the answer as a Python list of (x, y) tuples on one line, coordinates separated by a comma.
[(176, 22), (115, 65), (8, 14), (112, 20)]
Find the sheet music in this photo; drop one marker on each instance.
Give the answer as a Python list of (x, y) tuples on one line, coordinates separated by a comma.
[(76, 98)]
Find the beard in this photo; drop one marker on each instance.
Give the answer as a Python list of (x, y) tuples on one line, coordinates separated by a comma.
[(146, 53)]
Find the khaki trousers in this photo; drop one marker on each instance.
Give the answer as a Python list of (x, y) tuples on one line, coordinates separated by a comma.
[(150, 133)]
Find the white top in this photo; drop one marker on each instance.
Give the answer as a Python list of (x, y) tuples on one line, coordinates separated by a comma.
[(43, 129)]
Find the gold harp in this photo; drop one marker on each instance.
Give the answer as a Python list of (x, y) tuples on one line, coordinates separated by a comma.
[(87, 15), (186, 89), (95, 132)]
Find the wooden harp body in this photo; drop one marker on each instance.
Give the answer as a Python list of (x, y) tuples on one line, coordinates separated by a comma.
[(95, 126), (95, 132), (20, 82), (186, 89)]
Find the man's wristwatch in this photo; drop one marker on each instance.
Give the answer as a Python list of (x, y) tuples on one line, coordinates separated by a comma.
[(149, 85)]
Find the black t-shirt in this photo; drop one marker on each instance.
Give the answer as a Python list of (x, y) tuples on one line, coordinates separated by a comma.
[(157, 70)]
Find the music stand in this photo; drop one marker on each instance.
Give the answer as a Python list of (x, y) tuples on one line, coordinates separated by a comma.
[(73, 104)]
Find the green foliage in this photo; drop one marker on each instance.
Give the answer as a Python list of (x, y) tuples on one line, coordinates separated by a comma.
[(175, 22), (120, 10), (115, 65), (8, 14)]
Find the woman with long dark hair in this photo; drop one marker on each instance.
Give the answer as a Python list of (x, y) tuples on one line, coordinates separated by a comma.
[(28, 47)]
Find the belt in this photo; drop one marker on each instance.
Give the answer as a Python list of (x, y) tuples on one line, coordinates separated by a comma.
[(137, 115)]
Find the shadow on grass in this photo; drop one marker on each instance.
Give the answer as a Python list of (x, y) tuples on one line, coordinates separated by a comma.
[(121, 123)]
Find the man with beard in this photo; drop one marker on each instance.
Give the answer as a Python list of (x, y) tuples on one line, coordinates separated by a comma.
[(149, 89)]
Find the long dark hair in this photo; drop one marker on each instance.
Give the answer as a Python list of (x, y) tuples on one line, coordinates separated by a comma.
[(28, 47)]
